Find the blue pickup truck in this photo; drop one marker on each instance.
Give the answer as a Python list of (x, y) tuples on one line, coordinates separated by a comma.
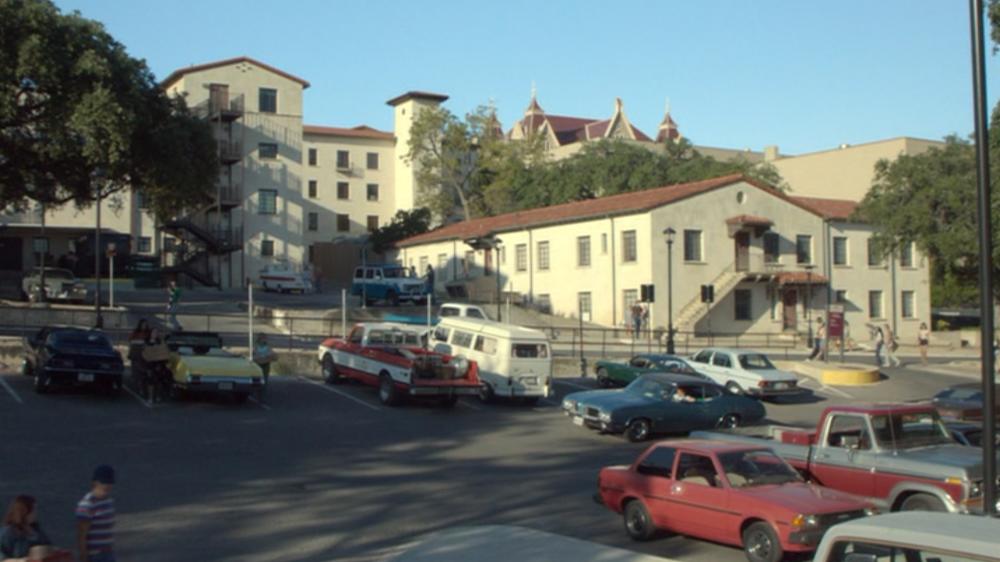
[(388, 282)]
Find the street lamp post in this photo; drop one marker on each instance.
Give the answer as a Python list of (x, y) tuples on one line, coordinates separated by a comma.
[(808, 303), (669, 233), (496, 256)]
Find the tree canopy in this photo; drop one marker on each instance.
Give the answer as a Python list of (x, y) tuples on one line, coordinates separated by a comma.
[(404, 224), (81, 119)]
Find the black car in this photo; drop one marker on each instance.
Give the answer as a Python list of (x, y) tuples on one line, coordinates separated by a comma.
[(963, 402), (71, 356)]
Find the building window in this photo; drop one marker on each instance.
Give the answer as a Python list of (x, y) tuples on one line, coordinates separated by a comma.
[(267, 201), (583, 251), (469, 263), (875, 304), (909, 304), (521, 257), (145, 245), (744, 308), (343, 190), (313, 222), (343, 223), (772, 248), (544, 303), (267, 248), (583, 300), (312, 189), (604, 244), (629, 253), (140, 201), (373, 160), (840, 296), (629, 298), (543, 256), (312, 156), (839, 250), (803, 249), (267, 100), (692, 245), (372, 223), (874, 260), (442, 265), (268, 150), (423, 265), (343, 159), (373, 192), (906, 255)]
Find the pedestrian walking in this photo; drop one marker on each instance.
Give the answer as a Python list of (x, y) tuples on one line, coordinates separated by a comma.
[(429, 280), (891, 345), (263, 356), (878, 342), (923, 341), (21, 531), (95, 518), (636, 319), (173, 301), (818, 341)]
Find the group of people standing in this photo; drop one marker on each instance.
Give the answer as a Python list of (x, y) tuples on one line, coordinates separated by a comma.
[(22, 537), (884, 343)]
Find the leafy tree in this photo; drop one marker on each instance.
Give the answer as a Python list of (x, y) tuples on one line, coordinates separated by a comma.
[(404, 224), (80, 119)]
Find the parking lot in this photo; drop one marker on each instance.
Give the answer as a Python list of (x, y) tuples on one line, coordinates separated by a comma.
[(317, 472)]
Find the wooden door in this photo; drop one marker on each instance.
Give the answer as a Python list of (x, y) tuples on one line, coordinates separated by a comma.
[(218, 97), (789, 301), (742, 240)]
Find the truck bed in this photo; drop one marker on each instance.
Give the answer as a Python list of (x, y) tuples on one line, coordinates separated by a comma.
[(791, 443)]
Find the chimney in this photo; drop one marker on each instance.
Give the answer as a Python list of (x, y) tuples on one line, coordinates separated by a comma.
[(771, 153)]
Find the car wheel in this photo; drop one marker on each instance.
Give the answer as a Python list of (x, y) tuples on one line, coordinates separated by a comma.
[(449, 402), (486, 394), (330, 373), (734, 388), (922, 502), (638, 524), (728, 421), (41, 383), (602, 378), (26, 368), (393, 298), (531, 400), (760, 543), (241, 397), (387, 392), (637, 430)]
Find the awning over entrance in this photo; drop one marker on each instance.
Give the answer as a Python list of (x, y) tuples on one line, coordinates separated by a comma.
[(760, 225), (800, 278)]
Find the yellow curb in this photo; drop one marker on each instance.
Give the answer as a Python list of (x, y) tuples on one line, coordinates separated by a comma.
[(849, 376)]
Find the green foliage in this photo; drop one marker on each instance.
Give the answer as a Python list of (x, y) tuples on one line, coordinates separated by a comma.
[(80, 118), (403, 225)]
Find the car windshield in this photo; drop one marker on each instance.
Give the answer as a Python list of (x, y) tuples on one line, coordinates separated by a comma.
[(674, 365), (649, 388), (393, 337), (910, 430), (755, 361), (80, 339), (745, 469)]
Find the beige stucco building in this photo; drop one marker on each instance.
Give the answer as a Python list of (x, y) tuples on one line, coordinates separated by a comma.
[(771, 259)]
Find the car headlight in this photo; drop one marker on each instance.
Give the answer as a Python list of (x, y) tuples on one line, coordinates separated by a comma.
[(976, 489), (801, 521), (872, 511), (604, 416), (569, 404), (461, 365)]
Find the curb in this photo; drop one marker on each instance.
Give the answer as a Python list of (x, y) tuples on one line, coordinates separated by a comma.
[(839, 374)]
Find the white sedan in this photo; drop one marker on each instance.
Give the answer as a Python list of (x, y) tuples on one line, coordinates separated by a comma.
[(745, 372), (282, 278)]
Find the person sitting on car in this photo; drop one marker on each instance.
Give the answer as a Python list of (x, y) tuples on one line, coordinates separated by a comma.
[(681, 395), (155, 355)]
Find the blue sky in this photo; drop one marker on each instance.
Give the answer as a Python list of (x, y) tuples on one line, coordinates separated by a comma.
[(804, 76)]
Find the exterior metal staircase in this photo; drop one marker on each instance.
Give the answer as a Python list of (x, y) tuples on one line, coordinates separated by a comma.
[(695, 310)]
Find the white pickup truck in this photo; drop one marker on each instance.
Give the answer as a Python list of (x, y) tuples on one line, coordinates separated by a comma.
[(912, 535)]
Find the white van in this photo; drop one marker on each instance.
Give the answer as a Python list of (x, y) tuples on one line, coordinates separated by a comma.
[(450, 309), (514, 362)]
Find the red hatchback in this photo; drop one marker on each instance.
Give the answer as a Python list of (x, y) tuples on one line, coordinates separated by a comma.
[(731, 493)]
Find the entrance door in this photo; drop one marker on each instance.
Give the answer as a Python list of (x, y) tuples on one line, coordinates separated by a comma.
[(218, 95), (742, 240), (789, 301), (10, 253)]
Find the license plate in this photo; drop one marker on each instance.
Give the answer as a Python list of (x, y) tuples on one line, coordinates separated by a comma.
[(577, 420), (225, 386), (781, 385), (85, 377), (532, 381)]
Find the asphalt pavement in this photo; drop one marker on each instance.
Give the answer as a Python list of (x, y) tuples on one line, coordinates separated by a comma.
[(320, 472)]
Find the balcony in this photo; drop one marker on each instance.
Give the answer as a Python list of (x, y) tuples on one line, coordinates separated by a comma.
[(231, 196), (220, 107), (230, 152), (758, 265)]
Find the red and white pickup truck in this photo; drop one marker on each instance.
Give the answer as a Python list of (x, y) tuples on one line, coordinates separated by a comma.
[(391, 357)]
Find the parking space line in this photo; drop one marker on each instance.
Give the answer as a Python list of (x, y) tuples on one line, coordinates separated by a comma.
[(11, 390), (259, 403), (339, 393), (836, 391), (137, 397), (573, 384), (469, 406)]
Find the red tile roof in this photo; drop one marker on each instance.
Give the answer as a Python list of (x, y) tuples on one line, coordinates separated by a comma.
[(833, 209), (361, 131), (177, 74), (417, 94), (800, 278), (749, 220)]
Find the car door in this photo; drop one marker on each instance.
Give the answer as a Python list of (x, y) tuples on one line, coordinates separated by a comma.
[(675, 415), (627, 373), (700, 502), (655, 472), (844, 460)]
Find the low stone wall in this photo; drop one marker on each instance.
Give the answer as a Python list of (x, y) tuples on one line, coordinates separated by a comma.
[(37, 315)]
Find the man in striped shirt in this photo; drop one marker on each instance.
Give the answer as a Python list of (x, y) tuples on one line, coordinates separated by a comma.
[(95, 518)]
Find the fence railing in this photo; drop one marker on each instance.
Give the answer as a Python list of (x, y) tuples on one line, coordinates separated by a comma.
[(307, 332)]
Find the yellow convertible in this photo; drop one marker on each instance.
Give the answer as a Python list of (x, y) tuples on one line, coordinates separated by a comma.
[(199, 364)]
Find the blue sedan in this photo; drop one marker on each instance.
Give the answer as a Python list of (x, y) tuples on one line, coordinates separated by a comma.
[(661, 403)]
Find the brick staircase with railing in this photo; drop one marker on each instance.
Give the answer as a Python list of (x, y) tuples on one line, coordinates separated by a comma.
[(695, 310)]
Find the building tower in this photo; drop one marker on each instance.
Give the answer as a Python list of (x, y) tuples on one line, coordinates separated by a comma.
[(405, 108)]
